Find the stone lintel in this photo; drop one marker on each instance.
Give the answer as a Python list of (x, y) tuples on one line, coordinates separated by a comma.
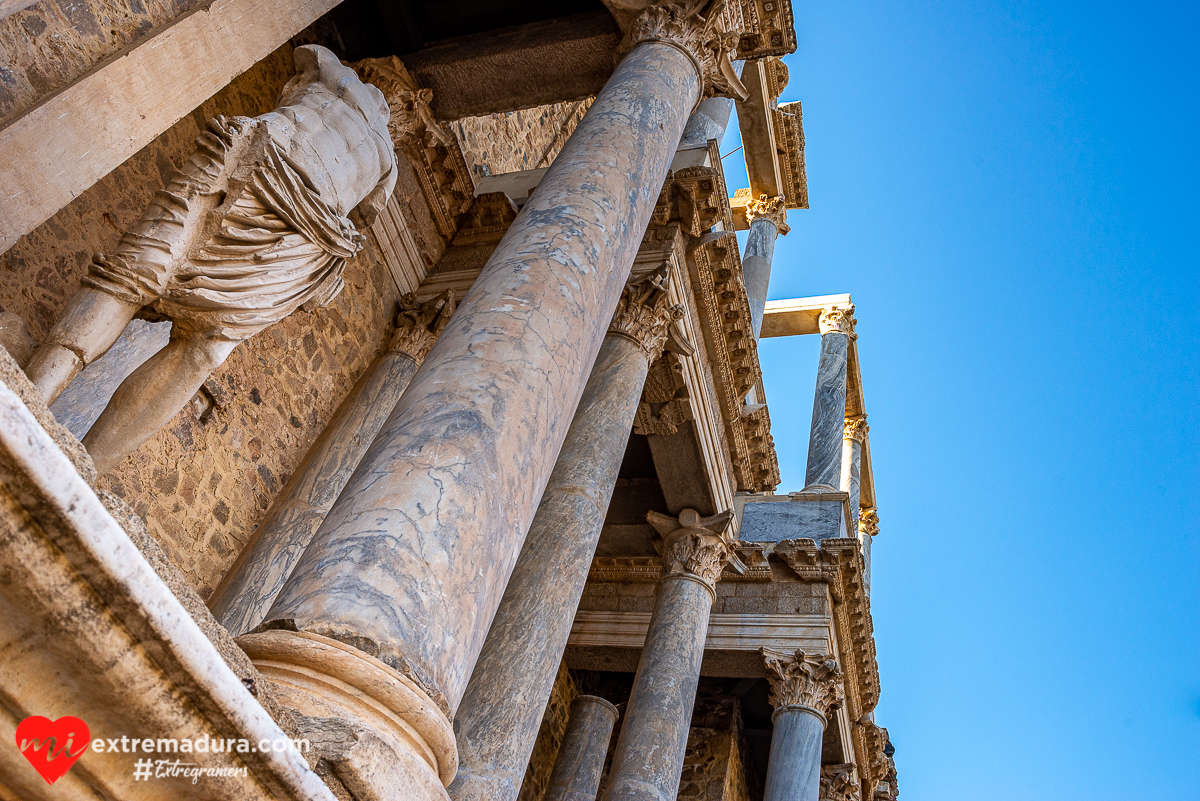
[(758, 133), (726, 632), (520, 67)]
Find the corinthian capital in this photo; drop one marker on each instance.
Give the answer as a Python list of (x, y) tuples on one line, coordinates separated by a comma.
[(769, 208), (693, 545), (856, 427), (798, 679), (645, 312), (697, 27), (840, 783), (418, 324), (838, 320), (411, 120), (868, 521)]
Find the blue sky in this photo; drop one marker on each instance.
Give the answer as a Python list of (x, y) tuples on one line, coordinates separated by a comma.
[(1009, 192)]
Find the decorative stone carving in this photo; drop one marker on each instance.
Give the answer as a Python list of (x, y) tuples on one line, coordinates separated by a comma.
[(695, 198), (255, 225), (418, 324), (840, 783), (769, 208), (788, 121), (868, 521), (769, 29), (693, 545), (802, 680), (435, 155), (700, 29), (838, 320), (664, 407), (878, 767), (856, 428), (645, 313)]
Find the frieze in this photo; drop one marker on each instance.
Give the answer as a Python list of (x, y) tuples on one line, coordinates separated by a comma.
[(748, 562)]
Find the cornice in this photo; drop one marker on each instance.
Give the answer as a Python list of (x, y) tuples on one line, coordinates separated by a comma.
[(769, 29), (788, 121)]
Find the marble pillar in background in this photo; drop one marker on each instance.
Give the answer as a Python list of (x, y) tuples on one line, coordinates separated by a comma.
[(768, 219), (649, 755), (868, 527), (412, 560), (824, 467), (804, 691), (251, 585), (498, 720), (854, 432), (580, 763), (710, 119)]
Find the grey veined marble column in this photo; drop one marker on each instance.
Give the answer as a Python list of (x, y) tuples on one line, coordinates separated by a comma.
[(649, 755), (854, 432), (824, 467), (501, 711), (412, 561), (267, 560), (768, 219), (804, 691), (580, 763)]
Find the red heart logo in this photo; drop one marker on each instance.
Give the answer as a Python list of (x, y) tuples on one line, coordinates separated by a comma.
[(52, 746)]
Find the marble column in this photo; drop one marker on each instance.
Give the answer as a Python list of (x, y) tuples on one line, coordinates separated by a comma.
[(868, 527), (412, 560), (267, 560), (768, 219), (804, 691), (580, 763), (710, 119), (498, 720), (854, 432), (649, 755), (824, 467)]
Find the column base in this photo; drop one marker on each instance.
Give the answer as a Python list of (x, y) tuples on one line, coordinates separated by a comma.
[(380, 733)]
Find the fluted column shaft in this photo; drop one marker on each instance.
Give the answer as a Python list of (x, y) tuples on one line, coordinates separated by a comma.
[(501, 711), (824, 466), (580, 762), (804, 691), (854, 432), (267, 560), (648, 759)]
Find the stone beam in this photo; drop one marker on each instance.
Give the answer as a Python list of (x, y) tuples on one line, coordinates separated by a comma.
[(520, 67), (758, 132), (62, 146), (797, 316)]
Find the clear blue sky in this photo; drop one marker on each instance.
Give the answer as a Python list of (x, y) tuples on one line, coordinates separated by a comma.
[(1009, 192)]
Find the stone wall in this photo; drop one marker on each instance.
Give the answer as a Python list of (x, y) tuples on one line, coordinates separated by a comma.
[(54, 42), (550, 737), (517, 140), (779, 597)]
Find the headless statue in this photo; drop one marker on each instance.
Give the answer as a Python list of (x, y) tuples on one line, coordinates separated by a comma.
[(255, 225)]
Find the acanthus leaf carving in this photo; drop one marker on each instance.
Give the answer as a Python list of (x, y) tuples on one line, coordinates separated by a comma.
[(693, 546), (838, 320), (664, 406), (856, 428), (772, 209), (840, 783), (645, 313), (868, 521), (800, 679), (419, 324)]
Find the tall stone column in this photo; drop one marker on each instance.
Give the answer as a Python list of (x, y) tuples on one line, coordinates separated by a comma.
[(804, 690), (410, 565), (267, 560), (580, 763), (824, 467), (649, 755), (854, 432), (501, 711), (768, 219)]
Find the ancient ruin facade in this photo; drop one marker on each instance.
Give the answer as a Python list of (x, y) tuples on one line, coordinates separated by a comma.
[(381, 410)]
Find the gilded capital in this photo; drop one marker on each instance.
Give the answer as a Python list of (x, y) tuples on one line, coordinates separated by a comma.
[(418, 324), (840, 783), (696, 27), (645, 312), (838, 320), (856, 428), (769, 208), (868, 521), (802, 680), (693, 546)]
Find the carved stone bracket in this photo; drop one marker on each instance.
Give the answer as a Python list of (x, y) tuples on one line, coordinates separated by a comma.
[(878, 768), (838, 320), (695, 198), (419, 324), (435, 155), (856, 428), (773, 209), (645, 313), (707, 30), (693, 546), (664, 406), (868, 521), (800, 679), (840, 783)]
